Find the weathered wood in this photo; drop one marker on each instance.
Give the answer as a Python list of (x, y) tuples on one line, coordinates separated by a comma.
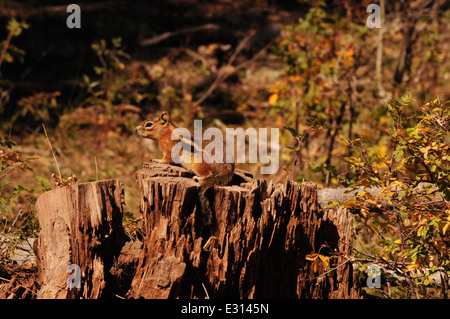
[(81, 225), (256, 247)]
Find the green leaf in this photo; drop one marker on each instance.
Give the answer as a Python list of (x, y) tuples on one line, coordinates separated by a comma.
[(293, 132), (117, 42)]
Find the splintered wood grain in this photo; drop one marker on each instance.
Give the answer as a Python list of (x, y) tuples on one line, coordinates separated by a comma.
[(255, 248), (80, 224)]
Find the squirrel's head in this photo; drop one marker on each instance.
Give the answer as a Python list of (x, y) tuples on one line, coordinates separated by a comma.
[(155, 128)]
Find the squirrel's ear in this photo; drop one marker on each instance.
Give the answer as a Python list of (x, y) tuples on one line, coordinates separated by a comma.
[(164, 117)]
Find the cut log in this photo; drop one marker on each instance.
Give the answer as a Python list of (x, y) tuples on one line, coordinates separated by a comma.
[(261, 242), (81, 227)]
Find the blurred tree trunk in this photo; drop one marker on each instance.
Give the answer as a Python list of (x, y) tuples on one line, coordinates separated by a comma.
[(379, 61), (409, 13)]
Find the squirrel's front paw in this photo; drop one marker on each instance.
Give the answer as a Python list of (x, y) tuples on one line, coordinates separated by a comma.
[(159, 161)]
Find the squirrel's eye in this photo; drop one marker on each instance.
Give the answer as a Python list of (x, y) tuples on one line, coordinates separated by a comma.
[(149, 124)]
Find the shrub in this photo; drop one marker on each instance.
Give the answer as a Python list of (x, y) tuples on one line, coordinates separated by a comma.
[(405, 228)]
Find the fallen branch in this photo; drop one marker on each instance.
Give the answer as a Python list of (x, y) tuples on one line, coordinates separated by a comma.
[(167, 35)]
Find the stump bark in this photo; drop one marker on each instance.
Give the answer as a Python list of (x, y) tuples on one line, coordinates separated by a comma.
[(260, 243), (81, 225), (265, 241)]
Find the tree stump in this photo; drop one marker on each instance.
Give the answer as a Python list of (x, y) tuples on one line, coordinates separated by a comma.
[(81, 227), (261, 242)]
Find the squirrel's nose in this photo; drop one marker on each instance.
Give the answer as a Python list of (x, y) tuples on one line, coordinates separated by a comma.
[(138, 128)]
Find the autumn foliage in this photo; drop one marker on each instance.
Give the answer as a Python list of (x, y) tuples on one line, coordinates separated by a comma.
[(356, 107)]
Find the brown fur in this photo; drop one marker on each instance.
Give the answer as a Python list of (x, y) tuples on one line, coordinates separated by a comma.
[(210, 174)]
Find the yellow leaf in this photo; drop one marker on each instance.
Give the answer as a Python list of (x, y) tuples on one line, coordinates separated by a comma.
[(311, 256), (407, 222), (315, 265), (383, 150), (295, 78), (412, 267), (397, 241), (325, 260), (273, 99), (444, 230)]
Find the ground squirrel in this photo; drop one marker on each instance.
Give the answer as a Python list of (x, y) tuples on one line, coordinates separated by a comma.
[(208, 173)]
